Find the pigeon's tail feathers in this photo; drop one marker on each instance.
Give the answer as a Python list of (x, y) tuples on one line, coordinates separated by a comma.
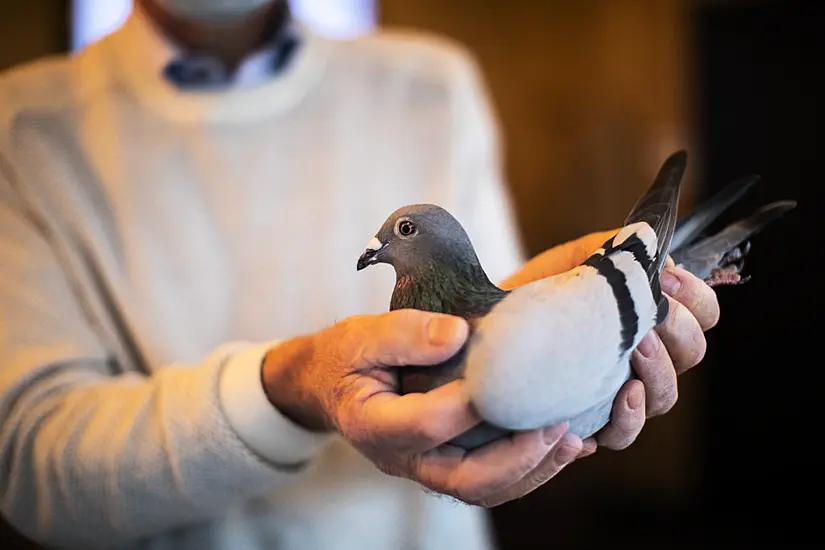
[(738, 232), (649, 227), (658, 208), (706, 255), (689, 228)]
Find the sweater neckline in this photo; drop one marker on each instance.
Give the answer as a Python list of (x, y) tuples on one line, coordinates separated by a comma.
[(137, 54)]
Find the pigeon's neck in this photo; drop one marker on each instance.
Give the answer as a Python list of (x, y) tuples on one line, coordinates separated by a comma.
[(463, 290)]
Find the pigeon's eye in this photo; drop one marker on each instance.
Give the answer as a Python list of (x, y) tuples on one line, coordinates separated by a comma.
[(406, 228)]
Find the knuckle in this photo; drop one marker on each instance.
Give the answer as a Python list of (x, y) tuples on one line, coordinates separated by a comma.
[(670, 402), (483, 492), (402, 318), (664, 402), (713, 318), (714, 311), (700, 300), (540, 477), (686, 339), (696, 351), (353, 323), (619, 439), (351, 430), (674, 316), (530, 467), (423, 428), (623, 444), (623, 430), (690, 295), (628, 425), (350, 340)]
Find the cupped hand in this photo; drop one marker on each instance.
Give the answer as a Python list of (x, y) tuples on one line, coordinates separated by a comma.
[(675, 346), (342, 379)]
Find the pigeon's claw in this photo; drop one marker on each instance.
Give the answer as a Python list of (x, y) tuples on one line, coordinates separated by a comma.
[(726, 276), (730, 268)]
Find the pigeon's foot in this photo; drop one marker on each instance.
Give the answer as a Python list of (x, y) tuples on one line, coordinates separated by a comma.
[(736, 255), (726, 276), (729, 271)]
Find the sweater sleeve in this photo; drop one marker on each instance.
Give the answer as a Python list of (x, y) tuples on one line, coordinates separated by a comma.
[(92, 456)]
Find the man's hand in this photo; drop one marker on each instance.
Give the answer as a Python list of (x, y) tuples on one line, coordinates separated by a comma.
[(674, 347), (339, 380)]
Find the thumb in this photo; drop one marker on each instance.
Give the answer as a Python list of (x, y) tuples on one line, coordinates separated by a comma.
[(414, 337), (558, 259)]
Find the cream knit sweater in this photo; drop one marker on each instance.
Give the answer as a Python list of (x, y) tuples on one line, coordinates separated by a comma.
[(154, 243)]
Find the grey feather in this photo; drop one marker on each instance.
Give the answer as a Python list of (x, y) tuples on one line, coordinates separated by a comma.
[(659, 205), (691, 226), (703, 257)]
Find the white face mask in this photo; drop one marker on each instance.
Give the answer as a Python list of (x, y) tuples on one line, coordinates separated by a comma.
[(211, 10)]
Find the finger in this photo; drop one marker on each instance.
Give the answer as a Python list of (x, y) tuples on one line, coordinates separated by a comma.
[(562, 454), (653, 366), (589, 446), (683, 337), (416, 422), (693, 293), (473, 477), (627, 417), (408, 337), (558, 259)]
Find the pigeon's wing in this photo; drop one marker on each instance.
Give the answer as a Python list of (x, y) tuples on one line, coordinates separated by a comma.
[(557, 349), (702, 257), (689, 228), (658, 207)]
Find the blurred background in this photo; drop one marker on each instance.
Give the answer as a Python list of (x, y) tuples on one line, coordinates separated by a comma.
[(591, 97)]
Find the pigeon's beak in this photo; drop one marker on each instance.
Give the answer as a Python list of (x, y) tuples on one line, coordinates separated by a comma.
[(370, 255)]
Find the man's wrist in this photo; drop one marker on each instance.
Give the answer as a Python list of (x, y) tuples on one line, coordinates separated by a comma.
[(265, 429), (284, 371)]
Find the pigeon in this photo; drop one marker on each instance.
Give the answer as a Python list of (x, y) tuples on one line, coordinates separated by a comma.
[(557, 349)]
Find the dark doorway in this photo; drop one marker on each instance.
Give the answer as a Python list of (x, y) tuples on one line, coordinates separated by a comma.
[(759, 109)]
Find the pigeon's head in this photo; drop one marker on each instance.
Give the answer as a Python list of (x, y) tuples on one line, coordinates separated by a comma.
[(419, 236)]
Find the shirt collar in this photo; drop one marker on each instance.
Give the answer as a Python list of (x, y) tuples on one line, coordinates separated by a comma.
[(200, 72), (139, 56)]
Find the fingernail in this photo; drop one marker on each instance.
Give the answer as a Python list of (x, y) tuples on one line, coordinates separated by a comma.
[(554, 433), (634, 400), (670, 282), (649, 345), (443, 330)]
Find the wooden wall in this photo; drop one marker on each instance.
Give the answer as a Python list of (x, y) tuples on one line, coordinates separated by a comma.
[(31, 29), (592, 95)]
